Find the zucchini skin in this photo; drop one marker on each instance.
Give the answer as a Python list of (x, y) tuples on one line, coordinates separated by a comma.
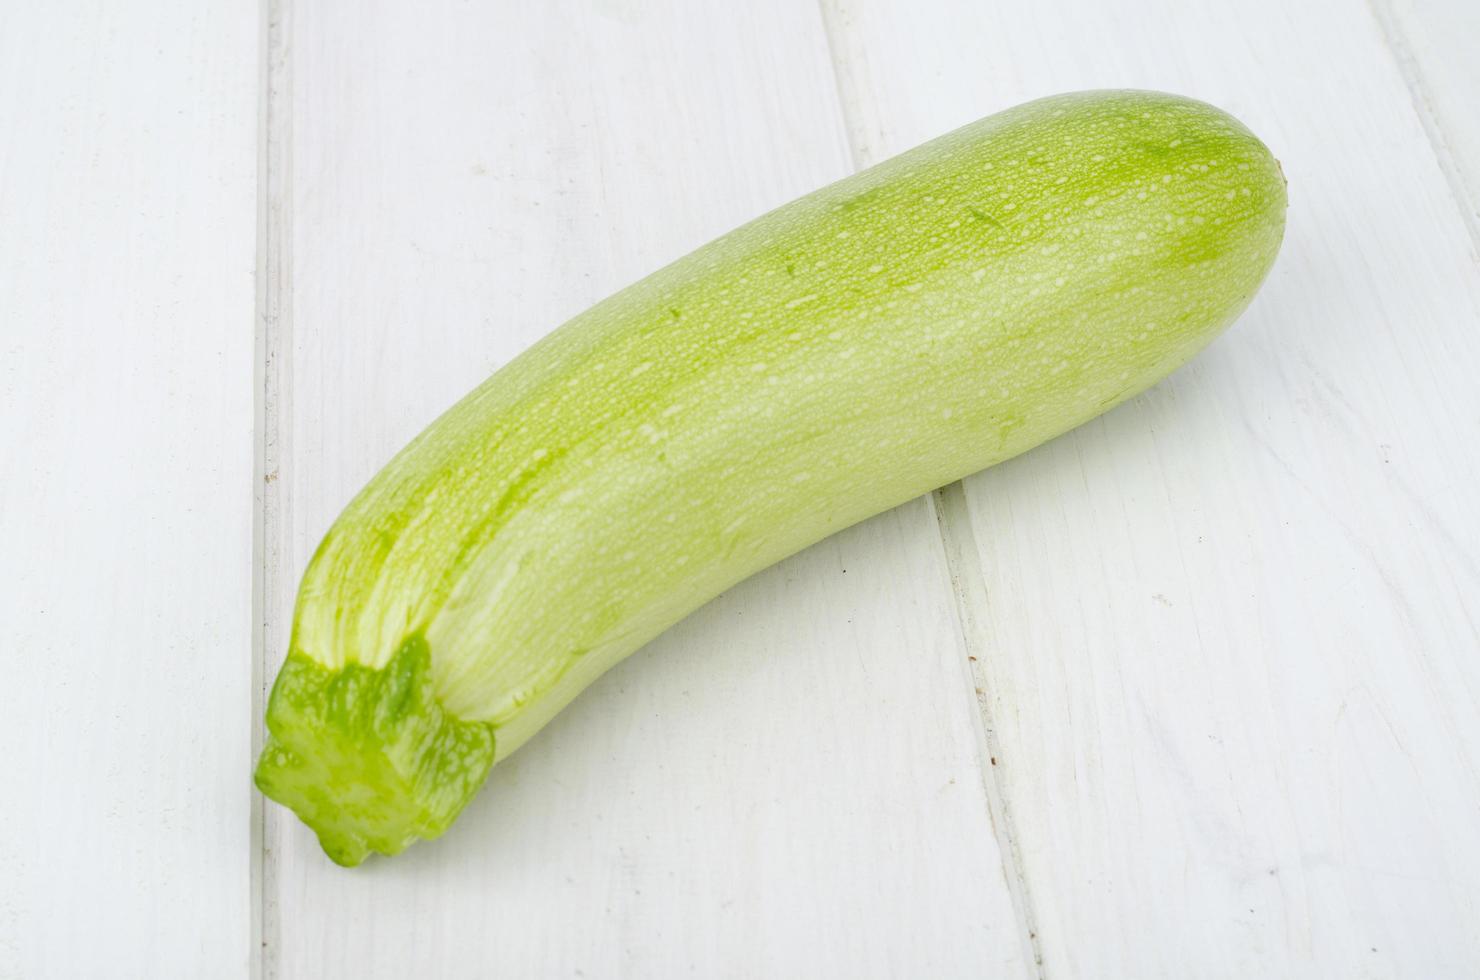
[(888, 334)]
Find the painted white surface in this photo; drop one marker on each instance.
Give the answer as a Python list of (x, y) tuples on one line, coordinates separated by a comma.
[(127, 228), (786, 785), (1229, 630), (1435, 44), (1226, 653)]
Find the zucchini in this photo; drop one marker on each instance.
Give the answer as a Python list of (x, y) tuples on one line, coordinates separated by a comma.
[(883, 336)]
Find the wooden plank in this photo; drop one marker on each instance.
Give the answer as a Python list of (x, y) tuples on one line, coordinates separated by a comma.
[(1229, 630), (1434, 42), (787, 784), (127, 230)]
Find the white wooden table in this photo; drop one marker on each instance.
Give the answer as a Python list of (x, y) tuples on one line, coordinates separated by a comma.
[(1193, 691)]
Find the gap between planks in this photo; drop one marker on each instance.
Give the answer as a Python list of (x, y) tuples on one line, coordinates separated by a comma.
[(272, 444), (1396, 41), (963, 566)]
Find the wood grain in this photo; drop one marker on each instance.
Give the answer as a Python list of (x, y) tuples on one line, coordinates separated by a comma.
[(786, 785), (127, 216), (1228, 630)]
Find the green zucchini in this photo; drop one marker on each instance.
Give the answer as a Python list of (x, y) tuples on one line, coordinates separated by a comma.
[(883, 336)]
